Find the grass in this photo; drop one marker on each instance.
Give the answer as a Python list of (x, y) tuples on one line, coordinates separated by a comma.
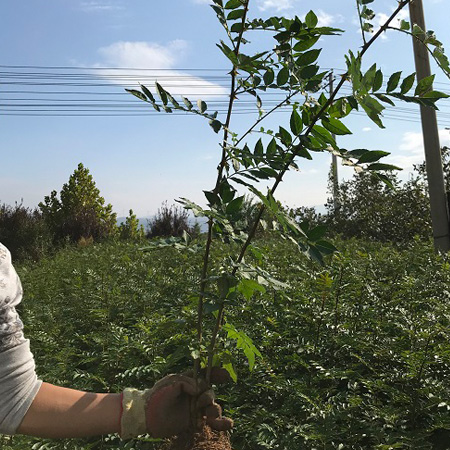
[(356, 354)]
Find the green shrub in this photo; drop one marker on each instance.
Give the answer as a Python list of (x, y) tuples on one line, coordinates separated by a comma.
[(80, 212), (24, 231), (170, 221)]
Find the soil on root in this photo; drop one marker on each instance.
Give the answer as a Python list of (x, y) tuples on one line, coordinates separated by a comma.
[(206, 439)]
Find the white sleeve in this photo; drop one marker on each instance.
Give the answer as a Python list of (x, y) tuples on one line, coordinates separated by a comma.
[(18, 381)]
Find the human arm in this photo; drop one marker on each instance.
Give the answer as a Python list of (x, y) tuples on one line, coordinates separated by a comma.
[(58, 412)]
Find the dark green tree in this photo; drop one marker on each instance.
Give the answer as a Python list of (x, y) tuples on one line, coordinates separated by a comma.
[(24, 231), (80, 211), (130, 229)]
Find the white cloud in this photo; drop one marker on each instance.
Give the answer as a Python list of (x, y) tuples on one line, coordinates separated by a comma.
[(156, 62), (143, 54), (100, 6), (412, 150), (324, 19), (365, 129), (278, 5), (327, 20)]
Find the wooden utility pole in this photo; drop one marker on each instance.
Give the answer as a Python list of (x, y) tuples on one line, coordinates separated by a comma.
[(433, 158), (334, 167)]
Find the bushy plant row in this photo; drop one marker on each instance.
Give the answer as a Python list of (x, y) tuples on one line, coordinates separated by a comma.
[(369, 209), (355, 355)]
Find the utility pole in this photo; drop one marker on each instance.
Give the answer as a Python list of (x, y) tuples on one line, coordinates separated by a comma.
[(334, 167), (433, 159)]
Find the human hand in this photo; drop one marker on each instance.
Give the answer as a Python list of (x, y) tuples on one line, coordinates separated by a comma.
[(167, 407)]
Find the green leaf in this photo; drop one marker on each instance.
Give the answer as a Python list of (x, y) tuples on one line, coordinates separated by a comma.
[(323, 134), (372, 156), (235, 205), (216, 125), (236, 14), (393, 81), (407, 83), (424, 85), (228, 52), (307, 58), (335, 126), (201, 106), (259, 149), (226, 191), (283, 76), (271, 148), (369, 77), (379, 166), (384, 99), (268, 77), (175, 104), (212, 198), (296, 123), (317, 233), (325, 247), (311, 20), (308, 72), (405, 25), (285, 136), (228, 366), (244, 343), (435, 95), (305, 44), (188, 104), (137, 94), (373, 109), (248, 287), (148, 93), (378, 81), (233, 4), (237, 27), (161, 92)]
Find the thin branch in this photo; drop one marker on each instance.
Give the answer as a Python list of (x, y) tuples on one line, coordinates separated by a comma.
[(446, 72), (221, 168), (361, 22)]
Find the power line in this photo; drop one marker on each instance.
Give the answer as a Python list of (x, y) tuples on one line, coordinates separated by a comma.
[(100, 91)]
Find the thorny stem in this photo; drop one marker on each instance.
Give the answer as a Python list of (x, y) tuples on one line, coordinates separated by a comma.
[(220, 170), (279, 178)]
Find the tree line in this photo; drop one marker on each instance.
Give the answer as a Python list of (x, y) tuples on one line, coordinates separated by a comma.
[(78, 214), (366, 208)]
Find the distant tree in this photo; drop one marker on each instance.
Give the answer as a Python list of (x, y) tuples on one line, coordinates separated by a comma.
[(169, 221), (369, 209), (24, 231), (130, 229), (80, 211)]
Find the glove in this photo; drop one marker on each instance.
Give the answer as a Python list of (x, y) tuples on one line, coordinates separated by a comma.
[(165, 410)]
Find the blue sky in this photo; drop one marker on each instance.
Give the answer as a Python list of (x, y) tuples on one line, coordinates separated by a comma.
[(140, 161)]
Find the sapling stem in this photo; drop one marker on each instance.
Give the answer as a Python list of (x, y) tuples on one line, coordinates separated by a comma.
[(220, 170)]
